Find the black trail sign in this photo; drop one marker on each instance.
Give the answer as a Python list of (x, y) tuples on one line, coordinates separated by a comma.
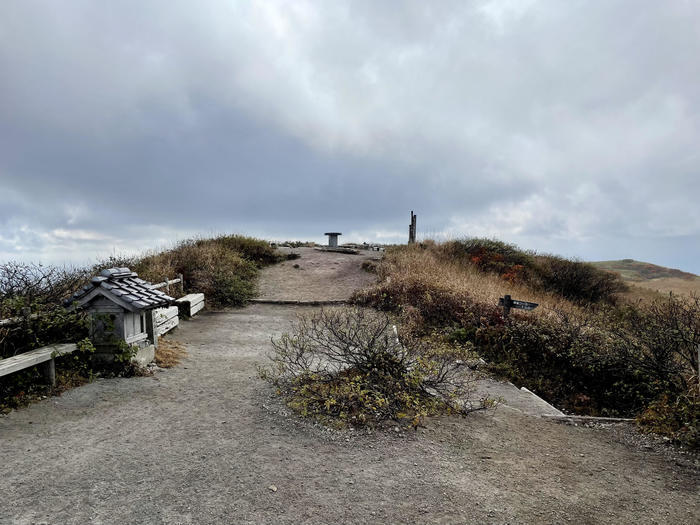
[(507, 303)]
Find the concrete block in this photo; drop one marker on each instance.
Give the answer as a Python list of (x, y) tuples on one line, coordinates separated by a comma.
[(144, 355)]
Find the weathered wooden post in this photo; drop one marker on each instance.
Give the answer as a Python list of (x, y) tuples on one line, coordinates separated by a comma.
[(50, 372), (412, 229), (152, 327), (506, 306)]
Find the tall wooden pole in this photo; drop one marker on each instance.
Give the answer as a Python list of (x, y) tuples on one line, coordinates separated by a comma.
[(412, 229)]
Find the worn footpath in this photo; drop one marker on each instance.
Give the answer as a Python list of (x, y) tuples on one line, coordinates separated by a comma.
[(208, 442)]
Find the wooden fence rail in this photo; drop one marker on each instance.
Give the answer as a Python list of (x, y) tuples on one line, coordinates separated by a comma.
[(166, 284), (14, 321), (44, 355)]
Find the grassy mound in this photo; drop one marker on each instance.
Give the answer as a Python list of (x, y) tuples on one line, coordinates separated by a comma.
[(224, 268), (571, 279)]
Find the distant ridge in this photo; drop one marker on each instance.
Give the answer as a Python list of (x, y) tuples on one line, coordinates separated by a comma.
[(635, 271), (652, 277)]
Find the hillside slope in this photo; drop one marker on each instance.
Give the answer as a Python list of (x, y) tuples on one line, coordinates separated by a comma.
[(653, 277)]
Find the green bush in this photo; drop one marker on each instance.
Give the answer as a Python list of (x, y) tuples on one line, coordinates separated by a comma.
[(224, 268), (255, 250), (571, 362), (348, 366), (234, 285), (677, 418), (36, 288), (576, 280), (39, 290)]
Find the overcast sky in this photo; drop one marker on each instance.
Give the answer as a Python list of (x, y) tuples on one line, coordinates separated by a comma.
[(570, 127)]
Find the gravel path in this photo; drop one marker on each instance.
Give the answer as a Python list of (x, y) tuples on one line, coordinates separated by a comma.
[(316, 276), (208, 442)]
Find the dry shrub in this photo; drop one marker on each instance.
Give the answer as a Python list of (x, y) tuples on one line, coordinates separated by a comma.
[(169, 353), (37, 286), (369, 266), (26, 287), (351, 366)]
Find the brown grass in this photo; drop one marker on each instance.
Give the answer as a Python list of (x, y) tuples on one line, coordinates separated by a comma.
[(402, 268), (676, 285), (169, 353)]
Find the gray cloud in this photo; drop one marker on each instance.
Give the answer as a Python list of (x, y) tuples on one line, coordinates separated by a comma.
[(565, 126)]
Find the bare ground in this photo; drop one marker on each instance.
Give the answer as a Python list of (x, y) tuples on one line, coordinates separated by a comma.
[(315, 276), (208, 442)]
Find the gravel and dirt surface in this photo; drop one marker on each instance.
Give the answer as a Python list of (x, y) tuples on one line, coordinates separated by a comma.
[(208, 442), (316, 276)]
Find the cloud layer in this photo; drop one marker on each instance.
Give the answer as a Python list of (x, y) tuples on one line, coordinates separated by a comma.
[(564, 126)]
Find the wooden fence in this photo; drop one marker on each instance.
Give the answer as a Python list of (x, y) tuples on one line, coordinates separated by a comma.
[(166, 284)]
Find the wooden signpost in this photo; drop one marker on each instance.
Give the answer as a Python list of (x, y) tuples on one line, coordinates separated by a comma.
[(507, 303)]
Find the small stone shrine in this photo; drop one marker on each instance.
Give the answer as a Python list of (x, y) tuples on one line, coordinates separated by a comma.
[(121, 308)]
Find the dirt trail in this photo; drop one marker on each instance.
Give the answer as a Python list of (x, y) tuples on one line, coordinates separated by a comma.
[(315, 276), (204, 443)]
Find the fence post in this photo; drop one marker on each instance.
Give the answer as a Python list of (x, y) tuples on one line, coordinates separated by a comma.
[(182, 282), (49, 370), (152, 327)]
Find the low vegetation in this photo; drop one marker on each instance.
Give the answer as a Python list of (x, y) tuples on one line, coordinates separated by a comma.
[(574, 280), (584, 349), (225, 268), (351, 366), (169, 353)]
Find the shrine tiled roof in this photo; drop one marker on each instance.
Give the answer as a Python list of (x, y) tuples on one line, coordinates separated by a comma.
[(125, 286)]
